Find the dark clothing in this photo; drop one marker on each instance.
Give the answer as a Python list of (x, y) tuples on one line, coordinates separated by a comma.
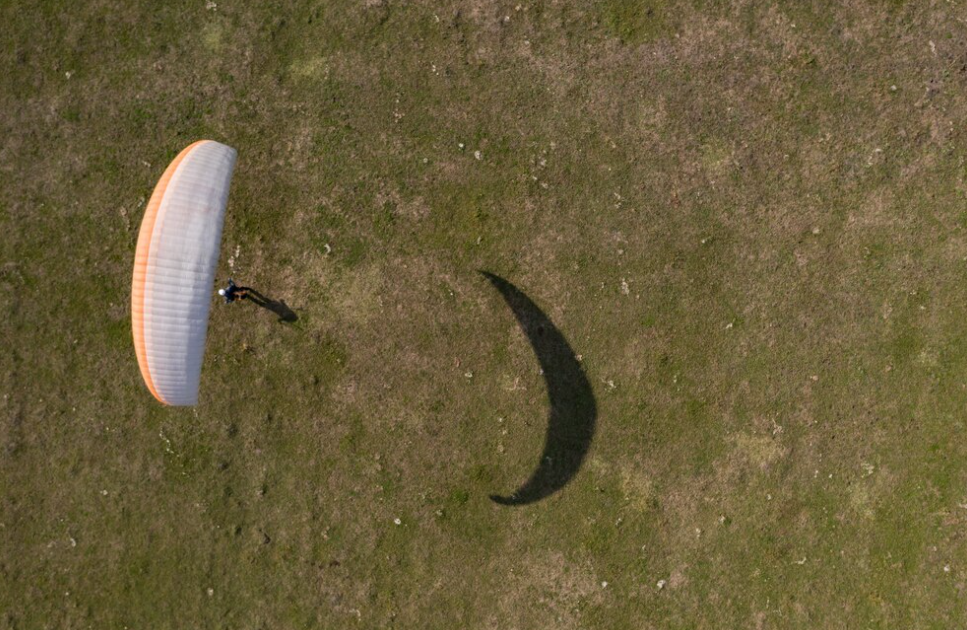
[(234, 292)]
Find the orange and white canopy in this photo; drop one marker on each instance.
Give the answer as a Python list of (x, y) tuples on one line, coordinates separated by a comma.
[(174, 269)]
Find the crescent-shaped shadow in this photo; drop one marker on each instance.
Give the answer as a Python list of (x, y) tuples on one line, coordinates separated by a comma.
[(573, 412)]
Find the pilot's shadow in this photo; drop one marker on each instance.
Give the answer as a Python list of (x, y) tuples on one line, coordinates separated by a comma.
[(279, 307), (573, 411)]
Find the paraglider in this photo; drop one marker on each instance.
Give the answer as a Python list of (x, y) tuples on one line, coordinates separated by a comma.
[(234, 292), (174, 268)]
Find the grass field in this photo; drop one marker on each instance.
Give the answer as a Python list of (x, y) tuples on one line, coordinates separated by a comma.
[(749, 220)]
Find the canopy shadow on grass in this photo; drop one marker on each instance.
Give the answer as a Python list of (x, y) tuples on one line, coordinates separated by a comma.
[(573, 412)]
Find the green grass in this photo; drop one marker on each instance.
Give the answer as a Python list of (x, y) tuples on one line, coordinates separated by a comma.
[(634, 22), (756, 244)]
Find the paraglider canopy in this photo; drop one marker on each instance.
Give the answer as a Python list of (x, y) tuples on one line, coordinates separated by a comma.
[(174, 268)]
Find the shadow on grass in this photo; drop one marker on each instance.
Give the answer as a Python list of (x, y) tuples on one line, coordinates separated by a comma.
[(279, 307), (573, 411)]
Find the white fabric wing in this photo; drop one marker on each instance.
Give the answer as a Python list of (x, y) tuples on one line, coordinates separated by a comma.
[(175, 267)]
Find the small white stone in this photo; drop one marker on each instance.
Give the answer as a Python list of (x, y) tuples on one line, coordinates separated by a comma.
[(946, 568), (604, 584), (211, 591), (397, 521), (478, 155), (661, 584), (461, 145)]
